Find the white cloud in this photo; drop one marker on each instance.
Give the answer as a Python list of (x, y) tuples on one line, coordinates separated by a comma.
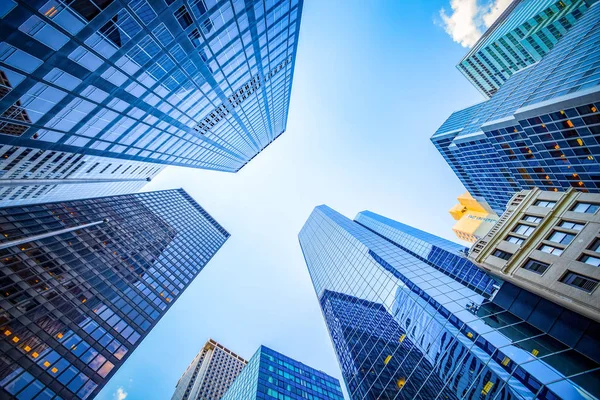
[(469, 19), (495, 10), (120, 394)]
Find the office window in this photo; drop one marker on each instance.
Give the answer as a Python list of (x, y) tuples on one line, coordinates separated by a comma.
[(524, 230), (502, 254), (536, 266), (531, 218), (183, 17), (591, 260), (515, 240), (545, 203), (595, 246), (561, 237), (587, 208), (571, 225), (551, 250), (579, 281)]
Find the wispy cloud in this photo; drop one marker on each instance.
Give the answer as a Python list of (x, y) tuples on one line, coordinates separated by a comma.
[(468, 19), (120, 394)]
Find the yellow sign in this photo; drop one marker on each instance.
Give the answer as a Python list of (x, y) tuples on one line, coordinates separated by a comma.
[(474, 218)]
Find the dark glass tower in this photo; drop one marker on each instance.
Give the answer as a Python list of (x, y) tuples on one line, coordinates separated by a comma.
[(83, 282), (198, 83), (542, 126), (410, 317), (270, 374)]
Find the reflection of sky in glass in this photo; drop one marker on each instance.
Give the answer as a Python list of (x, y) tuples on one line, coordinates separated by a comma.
[(345, 257)]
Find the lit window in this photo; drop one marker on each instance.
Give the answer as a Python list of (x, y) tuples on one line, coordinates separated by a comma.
[(545, 203), (579, 281), (536, 266), (587, 208)]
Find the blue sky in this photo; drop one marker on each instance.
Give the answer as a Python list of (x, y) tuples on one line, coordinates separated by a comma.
[(373, 81)]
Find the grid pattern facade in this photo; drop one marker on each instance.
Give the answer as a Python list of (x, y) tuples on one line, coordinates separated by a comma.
[(538, 247), (444, 255), (540, 129), (76, 303), (521, 36), (30, 175), (403, 329), (270, 374), (210, 374), (198, 83)]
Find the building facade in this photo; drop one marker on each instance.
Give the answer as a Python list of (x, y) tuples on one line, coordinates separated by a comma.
[(540, 129), (210, 374), (548, 243), (83, 282), (474, 218), (29, 176), (197, 83), (410, 317), (270, 374), (521, 36)]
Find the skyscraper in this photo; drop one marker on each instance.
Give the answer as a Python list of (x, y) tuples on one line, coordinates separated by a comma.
[(30, 176), (540, 129), (410, 317), (524, 33), (270, 374), (210, 373), (200, 83), (83, 282)]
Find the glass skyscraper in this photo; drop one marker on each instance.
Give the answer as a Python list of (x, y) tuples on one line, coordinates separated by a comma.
[(198, 83), (410, 317), (30, 176), (524, 33), (83, 282), (540, 129), (270, 374)]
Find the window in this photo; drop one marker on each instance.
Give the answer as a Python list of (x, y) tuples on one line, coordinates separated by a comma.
[(524, 230), (545, 203), (587, 208), (595, 246), (183, 17), (595, 261), (531, 218), (502, 254), (571, 225), (536, 266), (551, 250), (579, 281), (514, 239), (561, 237)]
